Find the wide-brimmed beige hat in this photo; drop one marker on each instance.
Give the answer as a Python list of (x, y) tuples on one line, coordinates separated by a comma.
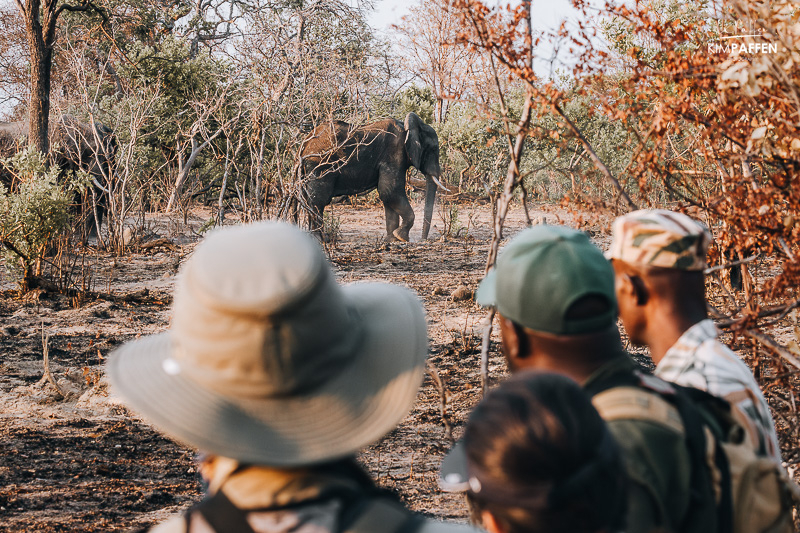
[(270, 361)]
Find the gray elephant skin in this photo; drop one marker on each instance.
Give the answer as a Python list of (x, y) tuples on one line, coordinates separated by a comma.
[(74, 145), (341, 160)]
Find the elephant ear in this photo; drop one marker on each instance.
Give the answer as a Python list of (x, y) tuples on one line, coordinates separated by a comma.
[(413, 144)]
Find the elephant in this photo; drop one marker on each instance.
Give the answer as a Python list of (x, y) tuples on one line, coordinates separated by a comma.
[(75, 145), (338, 159)]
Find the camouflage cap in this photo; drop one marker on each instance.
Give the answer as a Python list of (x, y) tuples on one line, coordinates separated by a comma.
[(659, 238)]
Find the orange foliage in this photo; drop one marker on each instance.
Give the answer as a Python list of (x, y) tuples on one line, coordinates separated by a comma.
[(710, 98)]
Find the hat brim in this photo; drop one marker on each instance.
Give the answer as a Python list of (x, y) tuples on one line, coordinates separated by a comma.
[(361, 403), (453, 474), (486, 295)]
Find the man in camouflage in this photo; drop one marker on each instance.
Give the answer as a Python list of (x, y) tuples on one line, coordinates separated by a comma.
[(554, 294), (658, 258)]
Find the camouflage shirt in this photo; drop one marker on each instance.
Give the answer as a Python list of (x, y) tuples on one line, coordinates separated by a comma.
[(701, 361)]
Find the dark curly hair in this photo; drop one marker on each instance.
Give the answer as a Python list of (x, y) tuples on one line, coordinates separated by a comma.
[(540, 458)]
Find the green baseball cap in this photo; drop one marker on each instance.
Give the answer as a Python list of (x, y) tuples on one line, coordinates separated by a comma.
[(541, 273)]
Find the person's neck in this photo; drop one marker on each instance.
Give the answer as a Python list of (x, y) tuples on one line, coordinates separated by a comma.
[(575, 356), (666, 325)]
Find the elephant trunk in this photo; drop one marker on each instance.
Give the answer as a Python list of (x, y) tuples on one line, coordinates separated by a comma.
[(430, 199)]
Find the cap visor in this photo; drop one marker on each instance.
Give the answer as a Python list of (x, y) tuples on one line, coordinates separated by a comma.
[(453, 476), (486, 295), (364, 400)]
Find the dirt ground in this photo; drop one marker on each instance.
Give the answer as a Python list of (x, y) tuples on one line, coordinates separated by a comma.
[(76, 460)]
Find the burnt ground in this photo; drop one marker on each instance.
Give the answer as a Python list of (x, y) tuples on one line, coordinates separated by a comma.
[(77, 460)]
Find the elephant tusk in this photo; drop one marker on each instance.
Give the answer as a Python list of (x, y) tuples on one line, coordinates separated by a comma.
[(97, 184), (439, 183)]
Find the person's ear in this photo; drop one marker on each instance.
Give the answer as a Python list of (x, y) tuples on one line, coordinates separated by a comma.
[(640, 290), (490, 523), (515, 342), (634, 287)]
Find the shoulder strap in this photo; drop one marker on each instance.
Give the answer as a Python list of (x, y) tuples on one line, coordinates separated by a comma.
[(382, 515), (640, 397), (634, 403), (222, 514), (703, 433)]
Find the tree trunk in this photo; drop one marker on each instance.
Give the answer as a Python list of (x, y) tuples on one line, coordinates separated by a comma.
[(183, 174), (39, 104)]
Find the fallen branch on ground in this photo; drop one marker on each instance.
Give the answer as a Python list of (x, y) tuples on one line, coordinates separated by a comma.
[(167, 243)]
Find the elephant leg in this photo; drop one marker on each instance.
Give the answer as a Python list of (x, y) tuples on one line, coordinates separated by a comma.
[(392, 222), (401, 208), (407, 214), (318, 194)]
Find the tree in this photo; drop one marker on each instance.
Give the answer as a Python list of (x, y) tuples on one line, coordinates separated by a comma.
[(305, 63), (430, 33), (713, 110), (40, 18), (707, 97)]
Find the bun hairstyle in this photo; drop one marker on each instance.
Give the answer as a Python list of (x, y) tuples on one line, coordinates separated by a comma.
[(540, 458)]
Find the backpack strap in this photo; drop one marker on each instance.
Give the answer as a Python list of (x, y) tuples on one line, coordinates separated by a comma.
[(702, 432), (381, 514), (223, 516), (643, 397), (367, 515), (637, 404)]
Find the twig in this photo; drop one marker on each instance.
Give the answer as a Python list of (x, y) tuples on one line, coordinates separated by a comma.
[(487, 337), (516, 147), (433, 372), (46, 353), (597, 161), (781, 310), (768, 342), (730, 265), (786, 249), (728, 294)]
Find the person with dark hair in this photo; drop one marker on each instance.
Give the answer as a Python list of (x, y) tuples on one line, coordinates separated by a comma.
[(554, 295), (537, 457), (658, 258), (280, 375)]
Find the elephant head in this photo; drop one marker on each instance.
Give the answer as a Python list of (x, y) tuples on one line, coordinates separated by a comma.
[(422, 147), (78, 145), (74, 145)]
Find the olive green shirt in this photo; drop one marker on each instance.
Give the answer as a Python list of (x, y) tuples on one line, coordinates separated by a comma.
[(658, 465)]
